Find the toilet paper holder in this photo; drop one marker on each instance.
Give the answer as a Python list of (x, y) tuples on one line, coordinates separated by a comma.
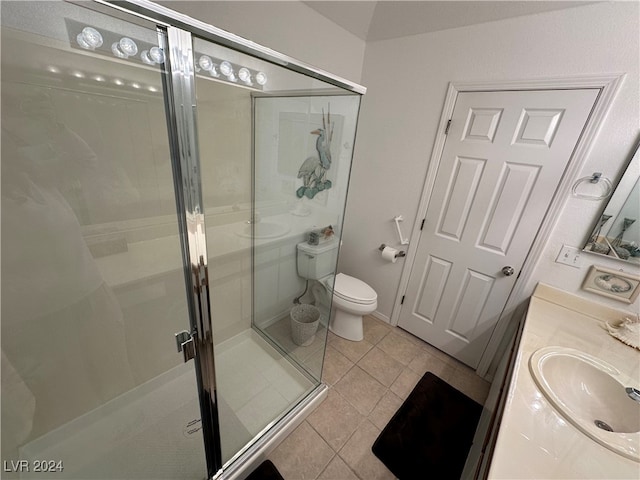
[(401, 253)]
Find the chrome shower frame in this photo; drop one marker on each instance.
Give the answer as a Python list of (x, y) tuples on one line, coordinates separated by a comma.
[(166, 17)]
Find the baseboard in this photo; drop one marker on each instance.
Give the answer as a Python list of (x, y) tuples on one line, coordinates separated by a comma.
[(381, 316)]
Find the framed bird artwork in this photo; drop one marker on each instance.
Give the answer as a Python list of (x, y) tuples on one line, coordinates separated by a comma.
[(313, 170)]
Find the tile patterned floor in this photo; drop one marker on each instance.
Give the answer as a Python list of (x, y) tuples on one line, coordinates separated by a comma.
[(368, 381)]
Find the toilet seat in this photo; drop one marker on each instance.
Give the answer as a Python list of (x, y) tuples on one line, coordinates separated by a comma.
[(351, 289)]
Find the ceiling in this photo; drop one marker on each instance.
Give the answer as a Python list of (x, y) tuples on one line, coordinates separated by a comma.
[(383, 20)]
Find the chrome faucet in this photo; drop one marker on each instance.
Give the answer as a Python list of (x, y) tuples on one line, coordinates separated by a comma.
[(634, 393)]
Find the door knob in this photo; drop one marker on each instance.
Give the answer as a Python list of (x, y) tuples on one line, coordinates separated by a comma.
[(508, 271)]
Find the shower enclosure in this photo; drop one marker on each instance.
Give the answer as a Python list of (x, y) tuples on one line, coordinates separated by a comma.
[(157, 176)]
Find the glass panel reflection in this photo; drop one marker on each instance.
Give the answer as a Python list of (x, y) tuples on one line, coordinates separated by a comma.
[(254, 124), (92, 275), (303, 153)]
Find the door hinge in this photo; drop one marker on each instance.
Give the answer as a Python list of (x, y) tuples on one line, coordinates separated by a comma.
[(402, 301), (422, 224), (446, 130), (186, 345)]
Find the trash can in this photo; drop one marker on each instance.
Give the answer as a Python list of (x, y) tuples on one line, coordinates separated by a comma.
[(304, 324)]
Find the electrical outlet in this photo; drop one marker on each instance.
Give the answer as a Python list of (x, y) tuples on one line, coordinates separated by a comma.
[(569, 256)]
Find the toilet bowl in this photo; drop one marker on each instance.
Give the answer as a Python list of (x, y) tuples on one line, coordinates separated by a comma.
[(351, 299)]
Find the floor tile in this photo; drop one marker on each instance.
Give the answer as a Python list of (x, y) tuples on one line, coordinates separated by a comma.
[(471, 385), (354, 351), (369, 380), (405, 382), (335, 420), (399, 347), (385, 409), (303, 455), (360, 389), (357, 454), (409, 336), (374, 329), (335, 366), (337, 470), (426, 362), (381, 366), (438, 353), (465, 369)]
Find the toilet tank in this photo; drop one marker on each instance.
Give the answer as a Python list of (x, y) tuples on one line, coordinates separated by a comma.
[(317, 261)]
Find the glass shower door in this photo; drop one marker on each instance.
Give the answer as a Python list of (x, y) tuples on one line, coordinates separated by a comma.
[(93, 285), (254, 132)]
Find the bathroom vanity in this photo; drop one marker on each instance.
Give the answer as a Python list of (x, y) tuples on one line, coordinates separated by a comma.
[(522, 434)]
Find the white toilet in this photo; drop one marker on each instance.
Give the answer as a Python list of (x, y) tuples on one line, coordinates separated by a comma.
[(352, 298)]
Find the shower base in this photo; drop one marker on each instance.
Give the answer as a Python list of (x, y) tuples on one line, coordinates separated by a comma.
[(153, 430)]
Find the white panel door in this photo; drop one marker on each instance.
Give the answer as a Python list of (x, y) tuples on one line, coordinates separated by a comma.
[(503, 159)]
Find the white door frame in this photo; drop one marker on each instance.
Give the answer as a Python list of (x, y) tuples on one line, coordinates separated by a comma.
[(609, 84)]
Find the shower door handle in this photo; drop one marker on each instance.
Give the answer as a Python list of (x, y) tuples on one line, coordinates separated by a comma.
[(186, 345)]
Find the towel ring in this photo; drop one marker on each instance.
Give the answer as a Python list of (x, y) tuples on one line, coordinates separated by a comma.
[(595, 178)]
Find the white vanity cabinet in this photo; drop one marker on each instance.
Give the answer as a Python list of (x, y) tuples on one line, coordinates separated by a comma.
[(479, 458), (530, 438)]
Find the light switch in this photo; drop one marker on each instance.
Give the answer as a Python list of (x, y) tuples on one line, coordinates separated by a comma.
[(569, 256)]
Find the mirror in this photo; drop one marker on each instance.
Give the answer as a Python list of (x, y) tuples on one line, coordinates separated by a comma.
[(617, 232)]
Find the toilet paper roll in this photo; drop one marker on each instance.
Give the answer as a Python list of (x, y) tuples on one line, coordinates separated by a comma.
[(389, 254)]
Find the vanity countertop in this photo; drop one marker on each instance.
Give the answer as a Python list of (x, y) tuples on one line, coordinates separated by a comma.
[(534, 440), (157, 256)]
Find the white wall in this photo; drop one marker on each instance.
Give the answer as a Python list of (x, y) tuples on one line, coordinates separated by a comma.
[(407, 80), (290, 27)]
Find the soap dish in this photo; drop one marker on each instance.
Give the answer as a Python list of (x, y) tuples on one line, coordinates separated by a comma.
[(627, 330)]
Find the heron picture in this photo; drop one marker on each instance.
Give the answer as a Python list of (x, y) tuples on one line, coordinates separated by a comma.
[(313, 170)]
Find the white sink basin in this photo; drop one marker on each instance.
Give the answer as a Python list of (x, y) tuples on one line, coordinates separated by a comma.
[(263, 230), (591, 394)]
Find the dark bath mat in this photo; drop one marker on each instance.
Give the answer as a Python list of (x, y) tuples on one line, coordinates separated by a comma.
[(431, 433), (265, 471)]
